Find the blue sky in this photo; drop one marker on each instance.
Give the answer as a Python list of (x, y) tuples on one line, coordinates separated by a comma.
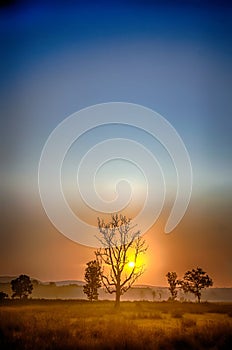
[(175, 59)]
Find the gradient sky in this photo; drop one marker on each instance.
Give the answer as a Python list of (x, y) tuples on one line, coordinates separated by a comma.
[(174, 59)]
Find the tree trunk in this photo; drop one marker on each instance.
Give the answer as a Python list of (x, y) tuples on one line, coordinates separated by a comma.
[(117, 300), (199, 298), (118, 295)]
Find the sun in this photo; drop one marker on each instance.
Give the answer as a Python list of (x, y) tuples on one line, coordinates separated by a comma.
[(131, 264)]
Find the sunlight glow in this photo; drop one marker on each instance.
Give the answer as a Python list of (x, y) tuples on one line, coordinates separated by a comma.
[(131, 264)]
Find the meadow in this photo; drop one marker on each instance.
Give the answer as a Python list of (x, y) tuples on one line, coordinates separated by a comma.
[(68, 324)]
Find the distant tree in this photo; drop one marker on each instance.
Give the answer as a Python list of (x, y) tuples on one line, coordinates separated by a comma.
[(153, 294), (3, 296), (119, 255), (93, 280), (173, 283), (160, 293), (194, 281), (21, 286)]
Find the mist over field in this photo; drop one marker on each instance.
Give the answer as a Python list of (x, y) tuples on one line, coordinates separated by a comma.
[(74, 290)]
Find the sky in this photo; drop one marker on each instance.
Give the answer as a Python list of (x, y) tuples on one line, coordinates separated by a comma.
[(172, 57)]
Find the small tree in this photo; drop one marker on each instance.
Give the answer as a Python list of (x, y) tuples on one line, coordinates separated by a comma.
[(93, 280), (3, 296), (21, 286), (153, 294), (194, 281), (119, 255), (173, 282)]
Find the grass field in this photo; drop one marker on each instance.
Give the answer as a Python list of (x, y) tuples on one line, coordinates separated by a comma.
[(67, 324)]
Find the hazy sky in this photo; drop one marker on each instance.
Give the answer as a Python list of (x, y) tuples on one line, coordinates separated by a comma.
[(57, 59)]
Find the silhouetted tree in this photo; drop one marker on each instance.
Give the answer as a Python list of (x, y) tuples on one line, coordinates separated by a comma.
[(21, 286), (3, 296), (119, 255), (93, 280), (194, 281), (173, 283)]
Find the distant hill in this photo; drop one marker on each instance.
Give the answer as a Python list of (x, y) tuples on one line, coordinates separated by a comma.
[(69, 282), (6, 279)]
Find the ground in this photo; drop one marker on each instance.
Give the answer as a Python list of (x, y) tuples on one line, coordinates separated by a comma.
[(45, 324)]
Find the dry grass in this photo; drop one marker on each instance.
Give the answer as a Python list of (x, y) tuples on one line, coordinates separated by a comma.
[(136, 325)]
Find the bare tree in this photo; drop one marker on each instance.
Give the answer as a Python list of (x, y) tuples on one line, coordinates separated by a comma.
[(119, 257)]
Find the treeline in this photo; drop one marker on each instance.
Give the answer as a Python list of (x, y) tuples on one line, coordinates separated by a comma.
[(177, 288), (193, 281)]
